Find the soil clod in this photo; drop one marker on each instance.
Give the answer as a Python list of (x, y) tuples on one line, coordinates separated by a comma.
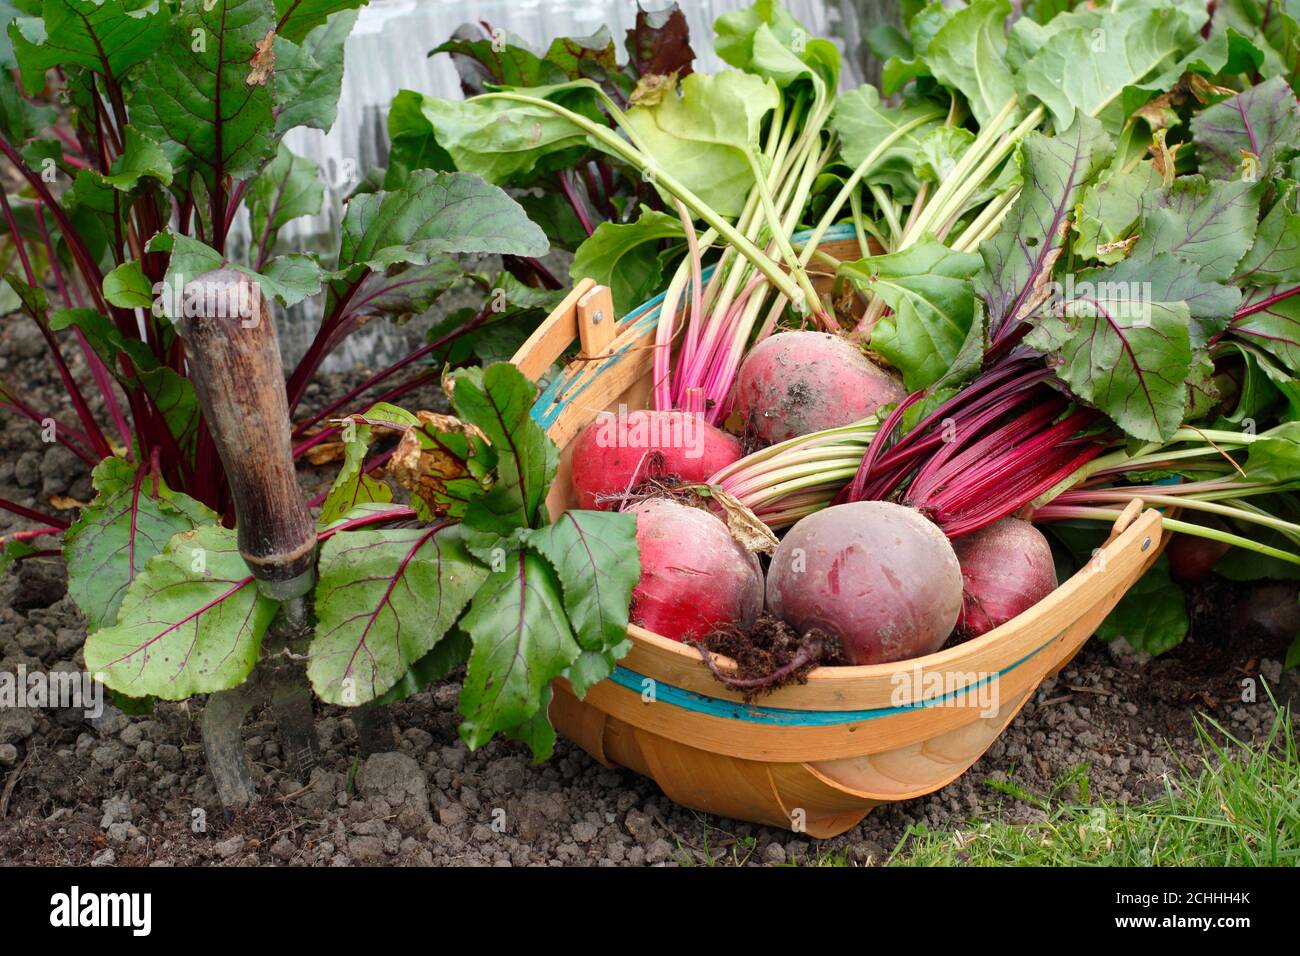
[(769, 655)]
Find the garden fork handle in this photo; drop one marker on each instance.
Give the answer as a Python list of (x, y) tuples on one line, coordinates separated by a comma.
[(234, 363)]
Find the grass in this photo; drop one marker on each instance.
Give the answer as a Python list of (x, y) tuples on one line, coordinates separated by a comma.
[(1238, 805)]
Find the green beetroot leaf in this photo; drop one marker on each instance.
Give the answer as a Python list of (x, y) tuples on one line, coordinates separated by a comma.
[(482, 61), (13, 552), (1030, 33), (499, 402), (107, 37), (939, 151), (1165, 277), (103, 335), (1274, 328), (131, 519), (1109, 209), (191, 623), (141, 159), (509, 142), (128, 287), (862, 121), (384, 600), (20, 119), (969, 54), (1210, 224), (1152, 615), (412, 143), (1018, 260), (536, 733), (1088, 69), (288, 187), (396, 247), (903, 66), (1127, 355), (1265, 385), (1262, 120), (1274, 259), (289, 278), (927, 287), (309, 75), (765, 40), (194, 96), (142, 166), (522, 641), (352, 486), (433, 214), (294, 19), (626, 258), (1269, 28), (705, 136), (1228, 52), (1275, 455), (595, 555)]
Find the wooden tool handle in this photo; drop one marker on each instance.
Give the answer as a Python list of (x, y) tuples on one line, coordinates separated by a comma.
[(234, 363)]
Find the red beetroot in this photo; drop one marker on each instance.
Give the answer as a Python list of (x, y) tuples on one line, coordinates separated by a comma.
[(879, 576), (1192, 558), (615, 451), (1006, 569), (795, 383), (694, 576)]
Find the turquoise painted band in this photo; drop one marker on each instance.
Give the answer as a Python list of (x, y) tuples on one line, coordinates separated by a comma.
[(784, 716)]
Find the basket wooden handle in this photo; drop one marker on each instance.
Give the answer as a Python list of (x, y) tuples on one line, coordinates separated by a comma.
[(234, 362), (1125, 519), (565, 324)]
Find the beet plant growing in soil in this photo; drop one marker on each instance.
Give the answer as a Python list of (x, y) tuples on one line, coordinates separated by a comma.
[(143, 134)]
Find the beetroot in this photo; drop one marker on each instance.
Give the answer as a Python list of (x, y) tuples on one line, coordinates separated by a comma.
[(795, 383), (617, 451), (1192, 558), (877, 575), (694, 576), (1006, 568)]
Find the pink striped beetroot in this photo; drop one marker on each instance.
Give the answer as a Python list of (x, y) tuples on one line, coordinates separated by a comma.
[(796, 383), (619, 450), (694, 576)]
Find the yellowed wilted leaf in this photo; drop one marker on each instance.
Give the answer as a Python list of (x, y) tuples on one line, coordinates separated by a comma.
[(1164, 157), (1120, 245), (262, 65), (1205, 91), (1042, 287), (749, 532), (65, 503), (424, 472), (325, 453), (650, 89)]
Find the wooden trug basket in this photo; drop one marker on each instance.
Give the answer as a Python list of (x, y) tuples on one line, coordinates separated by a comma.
[(813, 757)]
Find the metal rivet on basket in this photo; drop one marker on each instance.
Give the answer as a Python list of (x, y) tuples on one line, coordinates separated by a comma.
[(1146, 543)]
